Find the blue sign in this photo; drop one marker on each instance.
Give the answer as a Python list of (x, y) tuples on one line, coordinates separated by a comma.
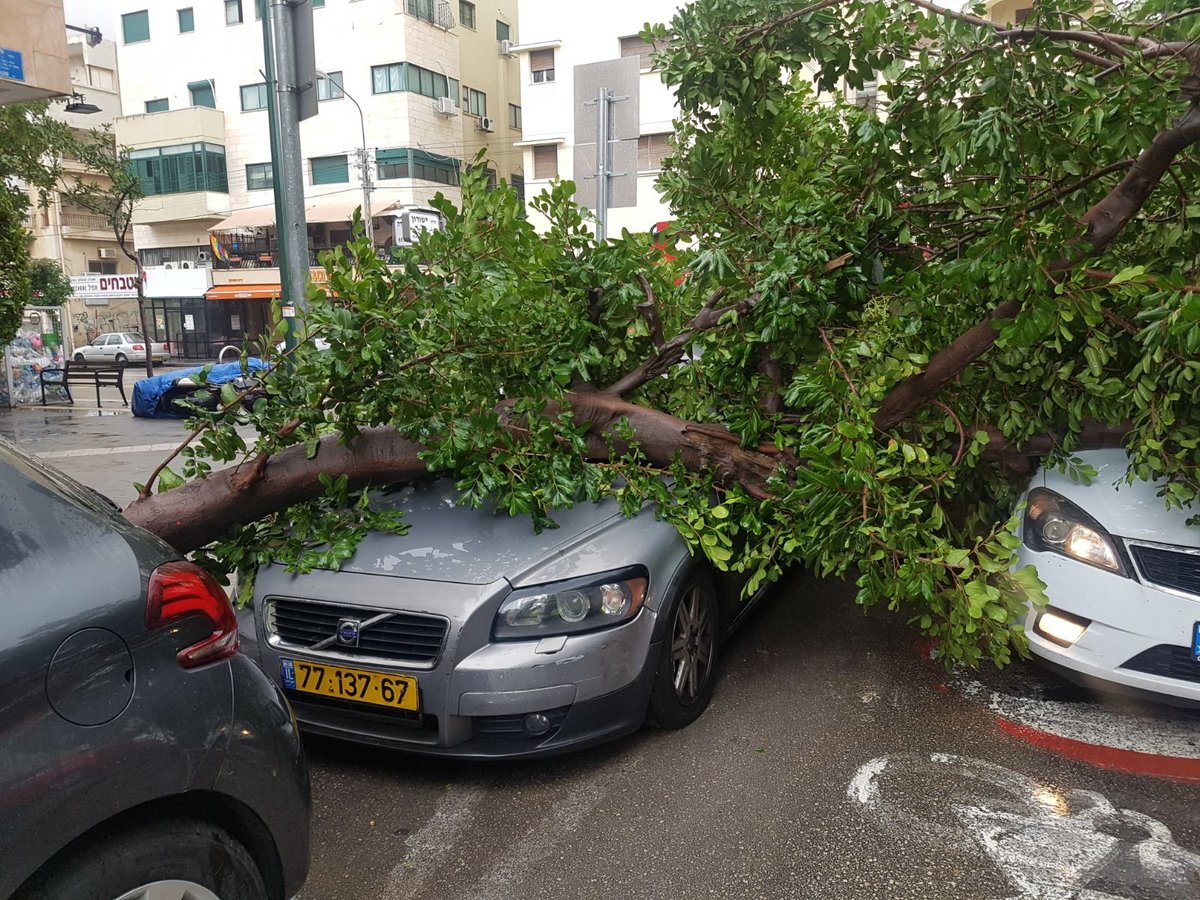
[(12, 65)]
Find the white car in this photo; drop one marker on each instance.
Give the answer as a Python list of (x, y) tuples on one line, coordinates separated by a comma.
[(122, 347), (1122, 574)]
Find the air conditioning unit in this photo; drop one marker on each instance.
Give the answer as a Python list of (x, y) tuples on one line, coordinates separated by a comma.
[(202, 256), (506, 48), (185, 265), (486, 123), (108, 253), (170, 265), (445, 106)]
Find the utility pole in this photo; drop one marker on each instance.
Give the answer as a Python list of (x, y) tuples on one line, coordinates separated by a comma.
[(362, 155), (604, 104)]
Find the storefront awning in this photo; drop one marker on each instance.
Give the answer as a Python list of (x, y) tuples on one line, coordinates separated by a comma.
[(254, 217), (331, 211), (243, 292)]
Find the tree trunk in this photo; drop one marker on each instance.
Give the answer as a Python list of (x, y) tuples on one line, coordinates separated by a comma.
[(141, 301)]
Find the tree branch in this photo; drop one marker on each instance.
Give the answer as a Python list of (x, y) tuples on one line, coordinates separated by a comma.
[(649, 311)]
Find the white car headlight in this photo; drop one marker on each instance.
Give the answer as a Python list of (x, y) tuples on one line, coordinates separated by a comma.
[(1053, 524), (572, 607)]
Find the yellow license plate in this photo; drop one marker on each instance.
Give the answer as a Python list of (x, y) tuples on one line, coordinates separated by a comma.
[(360, 685)]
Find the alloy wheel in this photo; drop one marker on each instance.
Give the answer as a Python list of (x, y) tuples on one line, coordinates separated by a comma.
[(693, 644), (170, 890)]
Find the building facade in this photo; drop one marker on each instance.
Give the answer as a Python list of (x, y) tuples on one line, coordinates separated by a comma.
[(431, 84), (556, 122), (33, 54)]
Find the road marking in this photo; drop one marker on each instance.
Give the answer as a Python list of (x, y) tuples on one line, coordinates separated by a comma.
[(425, 847), (105, 451), (1049, 843)]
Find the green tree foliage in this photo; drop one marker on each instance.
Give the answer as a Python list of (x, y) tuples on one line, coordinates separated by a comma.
[(48, 285), (30, 145), (875, 312)]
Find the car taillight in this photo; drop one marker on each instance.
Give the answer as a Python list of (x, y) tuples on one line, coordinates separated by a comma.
[(166, 346), (182, 589), (138, 347)]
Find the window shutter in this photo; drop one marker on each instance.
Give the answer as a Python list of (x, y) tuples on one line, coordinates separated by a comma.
[(541, 60), (635, 46), (545, 161)]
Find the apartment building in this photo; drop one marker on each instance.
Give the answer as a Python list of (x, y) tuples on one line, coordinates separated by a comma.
[(558, 125), (410, 90)]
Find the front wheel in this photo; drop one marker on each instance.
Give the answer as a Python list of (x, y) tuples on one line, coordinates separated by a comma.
[(683, 679), (79, 357), (122, 359), (177, 859)]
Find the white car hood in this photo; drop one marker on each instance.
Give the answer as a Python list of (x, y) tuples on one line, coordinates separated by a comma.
[(1125, 510)]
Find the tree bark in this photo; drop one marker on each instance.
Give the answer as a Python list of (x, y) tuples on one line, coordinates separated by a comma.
[(199, 512)]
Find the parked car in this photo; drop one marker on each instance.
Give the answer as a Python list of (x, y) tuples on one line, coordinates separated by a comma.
[(1123, 579), (143, 756), (122, 347), (474, 636)]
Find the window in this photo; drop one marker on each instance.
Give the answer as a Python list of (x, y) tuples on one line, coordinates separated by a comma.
[(102, 266), (635, 46), (545, 161), (466, 14), (503, 32), (407, 77), (187, 21), (652, 150), (474, 102), (317, 4), (405, 162), (330, 87), (422, 9), (202, 93), (518, 185), (514, 117), (233, 12), (101, 77), (330, 170), (254, 96), (160, 105), (136, 26), (541, 63), (180, 168), (1022, 14), (160, 255), (259, 177)]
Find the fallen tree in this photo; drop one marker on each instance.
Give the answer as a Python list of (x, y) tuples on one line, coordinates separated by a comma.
[(870, 321)]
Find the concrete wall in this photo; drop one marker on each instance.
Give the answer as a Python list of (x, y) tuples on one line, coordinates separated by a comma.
[(548, 113), (34, 28)]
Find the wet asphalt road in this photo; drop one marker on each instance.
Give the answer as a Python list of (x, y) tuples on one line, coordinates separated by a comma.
[(833, 763)]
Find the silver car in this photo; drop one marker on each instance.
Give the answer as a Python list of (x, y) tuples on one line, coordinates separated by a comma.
[(473, 636), (122, 347)]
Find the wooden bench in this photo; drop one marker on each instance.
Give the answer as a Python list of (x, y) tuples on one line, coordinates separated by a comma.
[(97, 374)]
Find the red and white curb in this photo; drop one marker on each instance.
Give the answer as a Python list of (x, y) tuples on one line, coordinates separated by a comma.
[(1164, 745)]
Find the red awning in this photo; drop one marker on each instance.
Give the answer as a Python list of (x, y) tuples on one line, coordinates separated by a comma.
[(243, 292)]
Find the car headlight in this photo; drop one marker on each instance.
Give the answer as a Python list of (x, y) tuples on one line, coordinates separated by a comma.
[(1053, 524), (572, 607)]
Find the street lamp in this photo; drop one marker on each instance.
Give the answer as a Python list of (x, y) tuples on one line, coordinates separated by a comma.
[(364, 161), (77, 103)]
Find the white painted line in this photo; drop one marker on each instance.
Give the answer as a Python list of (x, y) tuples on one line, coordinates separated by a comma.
[(863, 787), (425, 847), (105, 451)]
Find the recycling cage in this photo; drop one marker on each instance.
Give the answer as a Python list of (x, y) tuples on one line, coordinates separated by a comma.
[(37, 345)]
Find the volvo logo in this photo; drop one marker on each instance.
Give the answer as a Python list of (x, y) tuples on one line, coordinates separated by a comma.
[(348, 631)]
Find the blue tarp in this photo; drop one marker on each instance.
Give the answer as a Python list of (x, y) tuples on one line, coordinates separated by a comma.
[(149, 392)]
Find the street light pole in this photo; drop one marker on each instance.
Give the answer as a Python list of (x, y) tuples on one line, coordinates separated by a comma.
[(364, 157)]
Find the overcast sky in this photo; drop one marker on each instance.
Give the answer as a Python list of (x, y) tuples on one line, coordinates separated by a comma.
[(103, 14)]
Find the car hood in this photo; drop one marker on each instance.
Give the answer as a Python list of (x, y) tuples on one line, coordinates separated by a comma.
[(1125, 510), (446, 542)]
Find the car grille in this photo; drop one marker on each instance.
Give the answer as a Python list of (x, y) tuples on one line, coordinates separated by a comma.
[(1167, 661), (404, 636), (1172, 569)]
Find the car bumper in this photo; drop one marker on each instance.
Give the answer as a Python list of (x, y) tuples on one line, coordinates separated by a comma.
[(473, 703), (1139, 637)]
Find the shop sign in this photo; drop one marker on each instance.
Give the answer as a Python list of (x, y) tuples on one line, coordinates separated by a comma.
[(98, 290)]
